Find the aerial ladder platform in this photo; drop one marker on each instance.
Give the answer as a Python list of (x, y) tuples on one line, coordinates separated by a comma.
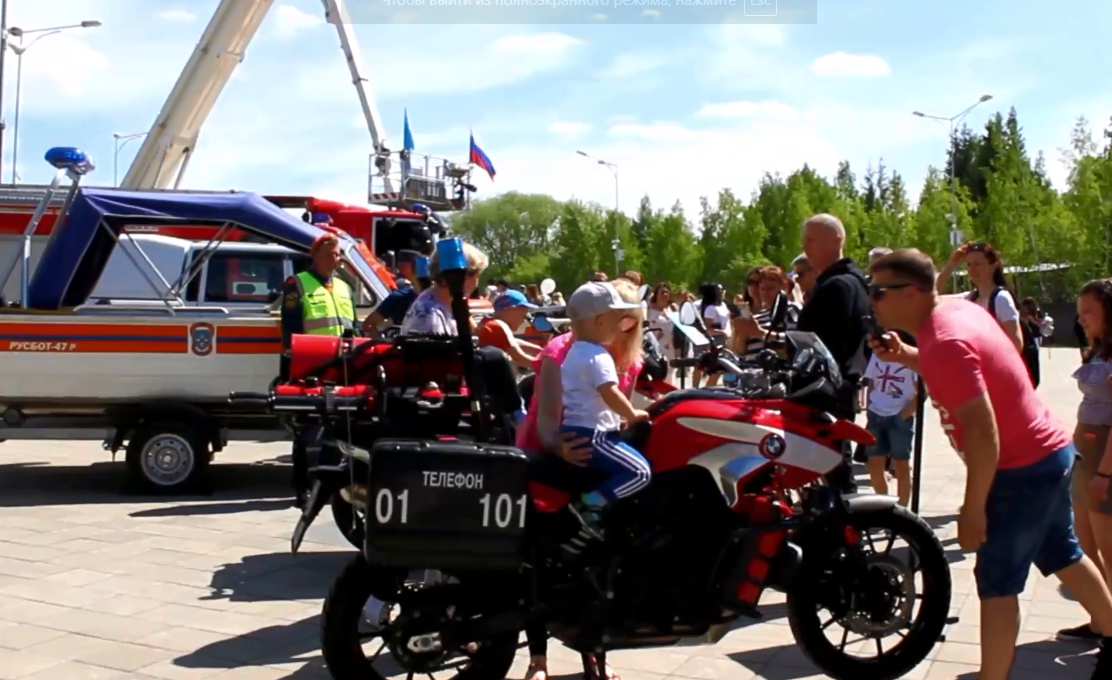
[(397, 179)]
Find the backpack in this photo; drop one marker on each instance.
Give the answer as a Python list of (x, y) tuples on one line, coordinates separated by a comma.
[(1030, 351)]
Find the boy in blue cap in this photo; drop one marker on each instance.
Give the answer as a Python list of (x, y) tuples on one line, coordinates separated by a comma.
[(511, 309)]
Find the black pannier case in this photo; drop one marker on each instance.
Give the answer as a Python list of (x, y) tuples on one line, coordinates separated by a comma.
[(446, 505)]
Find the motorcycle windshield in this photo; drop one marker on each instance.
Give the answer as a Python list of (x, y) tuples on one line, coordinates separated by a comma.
[(801, 341)]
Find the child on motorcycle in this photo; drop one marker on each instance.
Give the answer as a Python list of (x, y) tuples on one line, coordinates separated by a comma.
[(593, 404)]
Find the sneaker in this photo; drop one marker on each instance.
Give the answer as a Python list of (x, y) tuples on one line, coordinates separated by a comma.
[(1103, 669), (1083, 633)]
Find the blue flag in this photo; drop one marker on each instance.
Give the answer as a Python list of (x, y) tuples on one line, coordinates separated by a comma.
[(407, 138)]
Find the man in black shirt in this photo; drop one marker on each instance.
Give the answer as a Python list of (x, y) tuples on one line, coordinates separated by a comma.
[(836, 311)]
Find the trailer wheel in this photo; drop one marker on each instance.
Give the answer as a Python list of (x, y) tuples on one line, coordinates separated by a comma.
[(166, 457)]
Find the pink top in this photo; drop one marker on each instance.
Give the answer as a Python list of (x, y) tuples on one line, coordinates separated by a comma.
[(963, 353), (557, 350)]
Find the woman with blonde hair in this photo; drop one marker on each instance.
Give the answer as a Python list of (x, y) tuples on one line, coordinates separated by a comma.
[(540, 432)]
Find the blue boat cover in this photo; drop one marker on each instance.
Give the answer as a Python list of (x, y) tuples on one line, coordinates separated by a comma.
[(77, 252)]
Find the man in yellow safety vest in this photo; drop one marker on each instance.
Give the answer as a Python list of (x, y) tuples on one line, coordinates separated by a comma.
[(315, 302)]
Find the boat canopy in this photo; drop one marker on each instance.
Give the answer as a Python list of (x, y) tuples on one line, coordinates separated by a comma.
[(78, 250)]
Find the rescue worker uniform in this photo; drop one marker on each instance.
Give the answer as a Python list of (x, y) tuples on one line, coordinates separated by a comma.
[(315, 305)]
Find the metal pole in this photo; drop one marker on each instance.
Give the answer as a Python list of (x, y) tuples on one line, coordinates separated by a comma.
[(3, 55), (116, 163), (18, 94), (617, 239), (917, 457)]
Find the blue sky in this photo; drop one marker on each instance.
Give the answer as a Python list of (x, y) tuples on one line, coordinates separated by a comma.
[(683, 110)]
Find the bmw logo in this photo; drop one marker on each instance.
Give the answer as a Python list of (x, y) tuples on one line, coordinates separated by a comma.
[(772, 446)]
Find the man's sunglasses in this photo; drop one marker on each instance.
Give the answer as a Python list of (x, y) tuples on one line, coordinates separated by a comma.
[(877, 291)]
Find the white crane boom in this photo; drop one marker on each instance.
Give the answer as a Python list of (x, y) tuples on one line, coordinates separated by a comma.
[(166, 150), (164, 155), (335, 13)]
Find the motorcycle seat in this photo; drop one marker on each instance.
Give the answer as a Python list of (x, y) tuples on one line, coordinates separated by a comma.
[(557, 473)]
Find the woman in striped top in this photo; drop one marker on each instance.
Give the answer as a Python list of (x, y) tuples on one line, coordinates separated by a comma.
[(749, 333)]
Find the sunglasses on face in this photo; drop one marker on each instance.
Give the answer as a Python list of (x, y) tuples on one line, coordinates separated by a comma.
[(877, 291)]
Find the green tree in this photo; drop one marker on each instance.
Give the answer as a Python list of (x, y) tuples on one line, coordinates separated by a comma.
[(509, 227)]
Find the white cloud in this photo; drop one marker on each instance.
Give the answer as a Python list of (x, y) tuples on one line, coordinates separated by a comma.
[(566, 128), (743, 109), (66, 66), (630, 65), (508, 59), (538, 43), (841, 64), (660, 131), (180, 15), (289, 21)]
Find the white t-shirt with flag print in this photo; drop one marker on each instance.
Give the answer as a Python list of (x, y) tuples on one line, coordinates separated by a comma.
[(892, 386)]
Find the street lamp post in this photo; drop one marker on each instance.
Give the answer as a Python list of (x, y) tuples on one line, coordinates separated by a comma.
[(19, 50), (953, 121), (121, 142), (616, 244)]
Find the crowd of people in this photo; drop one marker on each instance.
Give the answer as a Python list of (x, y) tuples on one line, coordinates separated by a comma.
[(1035, 494)]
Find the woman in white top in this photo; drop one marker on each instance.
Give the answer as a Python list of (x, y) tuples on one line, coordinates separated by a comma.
[(660, 304), (986, 273)]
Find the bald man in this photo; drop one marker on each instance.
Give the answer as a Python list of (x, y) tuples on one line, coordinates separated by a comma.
[(836, 311)]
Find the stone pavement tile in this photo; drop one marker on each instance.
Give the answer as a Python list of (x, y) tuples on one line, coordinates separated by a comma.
[(23, 635), (54, 538), (168, 670), (53, 593), (27, 568), (76, 577), (171, 593), (1035, 623), (943, 670), (120, 656), (31, 553), (72, 670), (182, 639), (97, 624), (252, 673), (709, 668), (25, 611), (957, 652), (655, 661), (123, 605), (316, 670), (19, 664), (205, 619)]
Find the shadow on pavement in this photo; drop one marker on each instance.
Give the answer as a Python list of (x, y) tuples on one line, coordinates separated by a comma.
[(29, 484), (273, 645), (278, 576), (221, 508), (1049, 659)]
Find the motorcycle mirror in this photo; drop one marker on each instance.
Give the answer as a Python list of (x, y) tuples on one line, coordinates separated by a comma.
[(688, 315), (542, 324), (548, 287)]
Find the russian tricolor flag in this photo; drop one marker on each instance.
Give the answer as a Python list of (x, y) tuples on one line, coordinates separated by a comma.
[(479, 158)]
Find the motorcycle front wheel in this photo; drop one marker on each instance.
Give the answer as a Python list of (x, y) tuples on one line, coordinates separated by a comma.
[(348, 520), (356, 648), (875, 610)]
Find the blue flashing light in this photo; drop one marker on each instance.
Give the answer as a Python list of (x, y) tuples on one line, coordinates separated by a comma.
[(70, 158), (450, 253), (422, 267)]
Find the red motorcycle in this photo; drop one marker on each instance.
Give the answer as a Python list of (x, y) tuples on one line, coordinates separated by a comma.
[(868, 585)]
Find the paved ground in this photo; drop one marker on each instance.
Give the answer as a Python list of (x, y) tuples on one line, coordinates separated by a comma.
[(97, 585)]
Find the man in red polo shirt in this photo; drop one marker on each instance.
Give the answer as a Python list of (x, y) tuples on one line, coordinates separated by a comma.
[(1017, 510)]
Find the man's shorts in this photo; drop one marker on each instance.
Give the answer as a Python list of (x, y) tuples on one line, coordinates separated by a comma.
[(1030, 521), (895, 436)]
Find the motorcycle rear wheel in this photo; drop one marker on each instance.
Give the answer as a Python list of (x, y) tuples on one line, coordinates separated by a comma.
[(925, 629), (341, 641)]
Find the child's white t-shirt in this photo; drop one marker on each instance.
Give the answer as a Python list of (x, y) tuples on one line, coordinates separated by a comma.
[(892, 386), (587, 367)]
